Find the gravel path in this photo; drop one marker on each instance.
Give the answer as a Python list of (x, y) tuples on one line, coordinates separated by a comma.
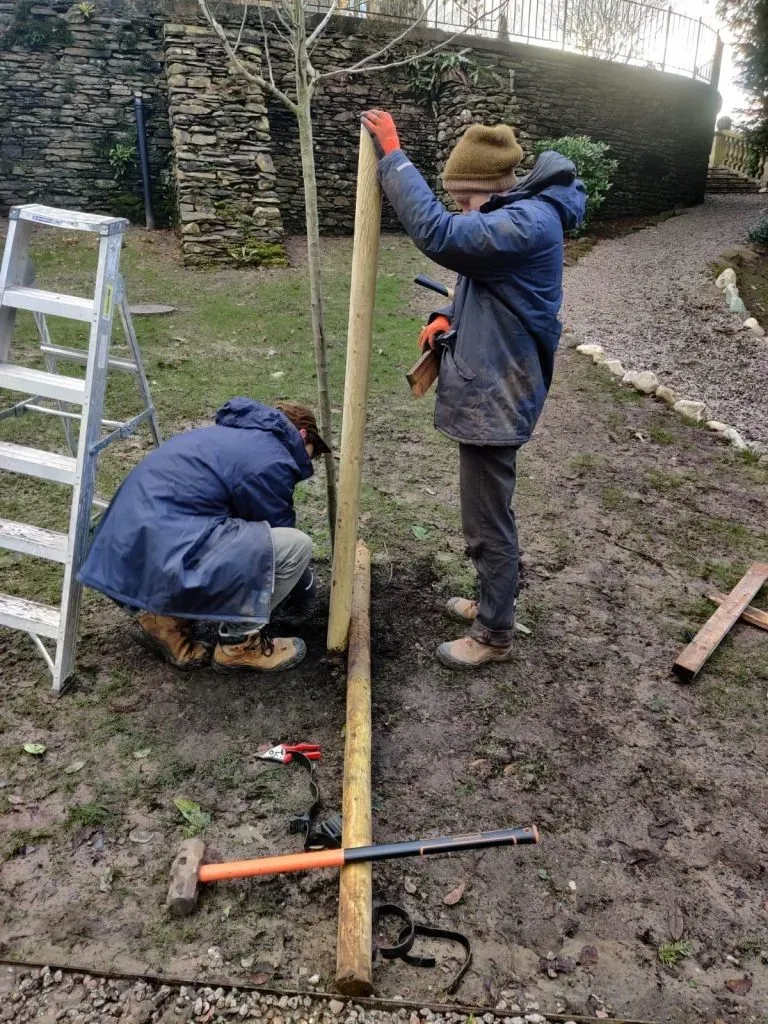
[(649, 300), (47, 997)]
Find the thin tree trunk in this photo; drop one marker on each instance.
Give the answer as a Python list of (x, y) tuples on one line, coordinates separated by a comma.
[(304, 116)]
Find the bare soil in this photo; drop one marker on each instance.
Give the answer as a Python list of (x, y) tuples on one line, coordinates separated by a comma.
[(649, 794)]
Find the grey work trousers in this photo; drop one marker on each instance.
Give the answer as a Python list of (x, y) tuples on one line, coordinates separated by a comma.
[(487, 480), (293, 553)]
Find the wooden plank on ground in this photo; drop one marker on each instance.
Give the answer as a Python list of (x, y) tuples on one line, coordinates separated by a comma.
[(753, 616), (691, 660)]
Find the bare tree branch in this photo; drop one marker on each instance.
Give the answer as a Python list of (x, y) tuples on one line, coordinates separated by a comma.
[(244, 71), (362, 67), (266, 48), (380, 53), (242, 26), (323, 24)]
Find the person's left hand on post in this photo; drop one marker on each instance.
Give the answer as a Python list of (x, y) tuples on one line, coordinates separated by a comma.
[(381, 127)]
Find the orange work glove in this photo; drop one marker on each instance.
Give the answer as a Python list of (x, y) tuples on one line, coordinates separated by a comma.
[(381, 128), (428, 336)]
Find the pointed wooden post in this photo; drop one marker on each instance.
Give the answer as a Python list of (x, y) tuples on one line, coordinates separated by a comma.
[(354, 953), (362, 295)]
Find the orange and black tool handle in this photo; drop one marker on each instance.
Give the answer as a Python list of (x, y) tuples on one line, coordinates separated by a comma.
[(522, 836)]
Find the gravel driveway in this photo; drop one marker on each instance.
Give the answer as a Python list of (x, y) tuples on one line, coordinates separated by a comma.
[(648, 299)]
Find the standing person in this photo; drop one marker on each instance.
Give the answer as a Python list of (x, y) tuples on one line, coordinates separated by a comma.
[(204, 529), (497, 339)]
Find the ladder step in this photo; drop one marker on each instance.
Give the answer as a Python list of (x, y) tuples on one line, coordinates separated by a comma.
[(32, 540), (16, 613), (72, 220), (51, 303), (38, 382), (72, 354), (35, 462)]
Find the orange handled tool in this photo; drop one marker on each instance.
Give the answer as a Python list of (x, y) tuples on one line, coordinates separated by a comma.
[(188, 868)]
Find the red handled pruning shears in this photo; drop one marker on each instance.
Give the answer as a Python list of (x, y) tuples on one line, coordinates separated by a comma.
[(284, 752)]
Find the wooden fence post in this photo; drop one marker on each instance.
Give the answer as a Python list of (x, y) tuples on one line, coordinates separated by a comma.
[(362, 295), (354, 954)]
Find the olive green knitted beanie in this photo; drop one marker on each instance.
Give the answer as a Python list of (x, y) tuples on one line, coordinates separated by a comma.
[(483, 160)]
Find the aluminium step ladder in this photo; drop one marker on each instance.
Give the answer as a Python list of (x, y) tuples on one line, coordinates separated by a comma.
[(78, 469)]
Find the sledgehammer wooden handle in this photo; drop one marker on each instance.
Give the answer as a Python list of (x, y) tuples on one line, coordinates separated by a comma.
[(423, 374)]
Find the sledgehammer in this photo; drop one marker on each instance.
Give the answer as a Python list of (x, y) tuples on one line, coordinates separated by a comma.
[(188, 869)]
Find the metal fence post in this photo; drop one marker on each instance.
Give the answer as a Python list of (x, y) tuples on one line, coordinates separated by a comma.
[(666, 40), (696, 54)]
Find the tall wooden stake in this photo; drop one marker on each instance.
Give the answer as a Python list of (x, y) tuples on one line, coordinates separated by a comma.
[(362, 294), (354, 968)]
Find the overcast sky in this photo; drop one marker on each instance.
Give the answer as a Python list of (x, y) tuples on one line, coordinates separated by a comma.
[(733, 98)]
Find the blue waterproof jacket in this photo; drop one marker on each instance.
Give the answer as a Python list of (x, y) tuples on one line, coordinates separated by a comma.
[(509, 257), (187, 534)]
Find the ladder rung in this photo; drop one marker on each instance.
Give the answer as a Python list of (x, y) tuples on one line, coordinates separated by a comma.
[(72, 220), (35, 462), (38, 382), (16, 613), (51, 303), (32, 540), (74, 356)]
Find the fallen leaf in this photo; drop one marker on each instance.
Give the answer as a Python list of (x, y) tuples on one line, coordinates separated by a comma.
[(739, 986), (105, 882), (277, 375), (675, 922), (140, 835), (588, 956), (543, 874), (14, 800), (430, 491), (410, 886), (74, 767), (144, 752), (196, 817), (452, 898), (420, 532), (35, 748)]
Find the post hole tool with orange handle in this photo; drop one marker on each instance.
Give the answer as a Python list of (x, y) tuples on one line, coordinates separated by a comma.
[(188, 869)]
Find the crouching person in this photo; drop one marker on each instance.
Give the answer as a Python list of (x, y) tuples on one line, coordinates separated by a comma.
[(204, 530)]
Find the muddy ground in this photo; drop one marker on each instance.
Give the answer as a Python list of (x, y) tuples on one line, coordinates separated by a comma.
[(649, 794)]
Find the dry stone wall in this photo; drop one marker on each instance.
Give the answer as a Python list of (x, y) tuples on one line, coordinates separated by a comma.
[(223, 168), (68, 124)]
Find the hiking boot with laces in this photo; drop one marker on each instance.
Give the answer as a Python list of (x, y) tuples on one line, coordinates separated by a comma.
[(468, 654), (172, 639), (258, 652)]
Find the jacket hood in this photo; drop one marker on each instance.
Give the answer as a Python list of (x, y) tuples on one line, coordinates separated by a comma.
[(248, 414), (553, 178)]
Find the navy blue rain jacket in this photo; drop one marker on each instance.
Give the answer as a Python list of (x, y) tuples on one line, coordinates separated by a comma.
[(187, 534), (509, 257)]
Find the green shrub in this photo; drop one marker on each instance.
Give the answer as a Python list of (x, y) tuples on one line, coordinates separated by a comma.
[(30, 29), (758, 233), (254, 253), (595, 168)]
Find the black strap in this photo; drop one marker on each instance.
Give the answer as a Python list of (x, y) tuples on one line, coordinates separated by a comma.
[(323, 835), (407, 936)]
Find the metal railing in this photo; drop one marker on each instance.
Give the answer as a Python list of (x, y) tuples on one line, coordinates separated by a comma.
[(622, 31)]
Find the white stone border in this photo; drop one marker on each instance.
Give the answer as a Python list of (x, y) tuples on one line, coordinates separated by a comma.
[(647, 382)]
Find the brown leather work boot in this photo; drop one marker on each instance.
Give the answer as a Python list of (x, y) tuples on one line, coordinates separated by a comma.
[(172, 639), (462, 609), (468, 654), (259, 653)]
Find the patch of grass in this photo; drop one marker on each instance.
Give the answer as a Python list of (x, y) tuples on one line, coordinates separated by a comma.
[(750, 458), (662, 481), (660, 435), (89, 815), (16, 841), (614, 497), (724, 575), (671, 953), (585, 462)]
